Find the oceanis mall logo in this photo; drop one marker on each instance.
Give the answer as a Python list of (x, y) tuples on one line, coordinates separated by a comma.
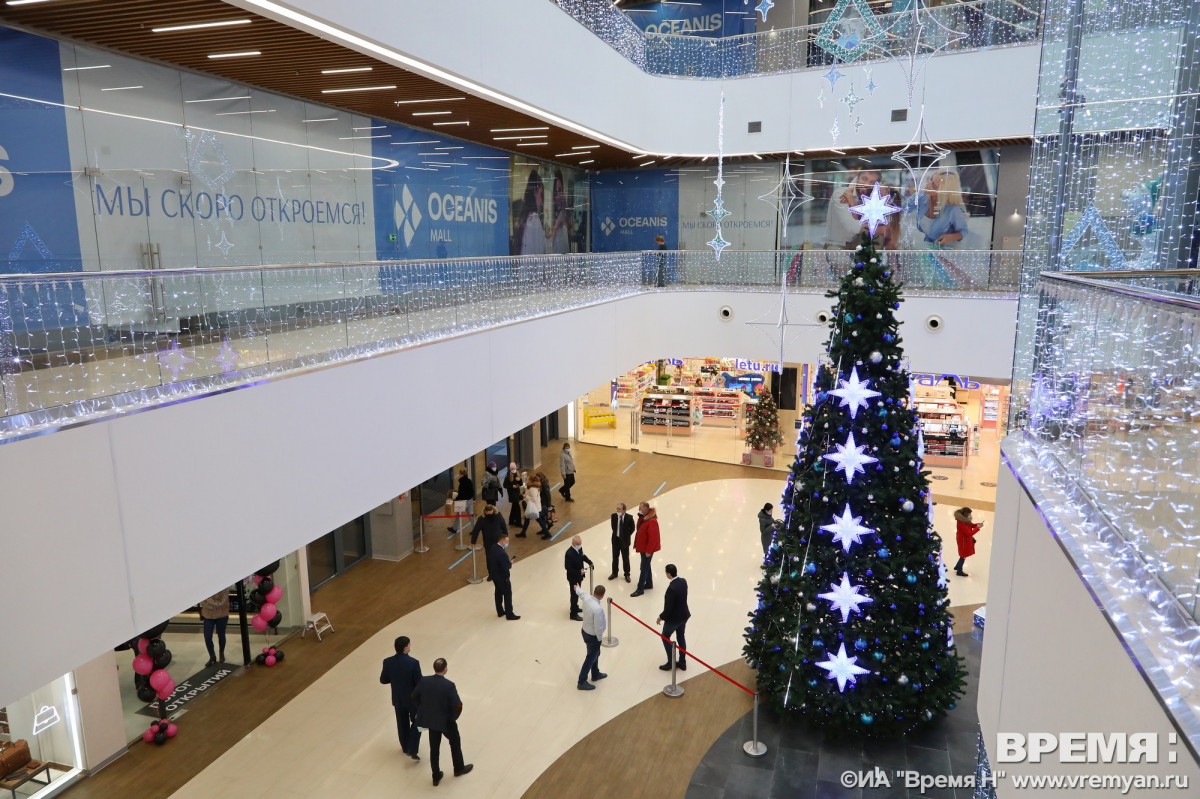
[(407, 215), (607, 226), (6, 178)]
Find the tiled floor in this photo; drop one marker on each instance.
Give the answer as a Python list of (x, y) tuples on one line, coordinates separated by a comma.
[(802, 763)]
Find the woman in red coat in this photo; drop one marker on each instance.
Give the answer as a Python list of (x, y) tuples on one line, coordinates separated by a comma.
[(646, 543), (965, 535)]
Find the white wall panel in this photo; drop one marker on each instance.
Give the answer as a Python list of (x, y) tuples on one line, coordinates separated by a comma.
[(592, 85), (118, 535)]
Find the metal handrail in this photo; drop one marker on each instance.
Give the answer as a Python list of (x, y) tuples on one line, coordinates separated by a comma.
[(1129, 291)]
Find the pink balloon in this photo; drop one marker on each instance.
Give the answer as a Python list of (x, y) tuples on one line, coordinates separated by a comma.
[(165, 694), (257, 579), (275, 594), (169, 688), (172, 730), (268, 611), (143, 664), (148, 735), (142, 644), (258, 623), (270, 661), (159, 678), (266, 650)]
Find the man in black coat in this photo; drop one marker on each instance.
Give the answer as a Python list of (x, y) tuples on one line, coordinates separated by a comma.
[(403, 672), (490, 525), (512, 486), (622, 534), (438, 709), (573, 562), (499, 566), (674, 616)]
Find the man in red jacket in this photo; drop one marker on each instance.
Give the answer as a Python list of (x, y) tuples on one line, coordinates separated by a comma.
[(646, 543)]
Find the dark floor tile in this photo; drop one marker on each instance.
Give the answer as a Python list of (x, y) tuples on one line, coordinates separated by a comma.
[(795, 770), (931, 736), (929, 763), (710, 774), (695, 791), (802, 737), (835, 790), (745, 782), (894, 791), (835, 759), (887, 755)]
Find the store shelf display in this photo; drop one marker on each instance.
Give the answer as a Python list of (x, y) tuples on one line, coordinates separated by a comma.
[(663, 411)]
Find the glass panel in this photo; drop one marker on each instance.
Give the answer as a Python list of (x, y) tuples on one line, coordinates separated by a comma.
[(322, 560), (354, 542), (48, 722)]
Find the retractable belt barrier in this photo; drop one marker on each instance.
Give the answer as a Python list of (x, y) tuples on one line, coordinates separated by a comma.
[(461, 546), (753, 747)]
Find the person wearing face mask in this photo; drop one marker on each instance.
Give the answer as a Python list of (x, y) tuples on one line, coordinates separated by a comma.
[(500, 567), (646, 543), (566, 465), (513, 485), (573, 562), (490, 525)]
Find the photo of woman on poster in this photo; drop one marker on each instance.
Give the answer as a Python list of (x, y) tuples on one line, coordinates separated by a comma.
[(941, 213), (531, 234), (561, 229), (845, 225)]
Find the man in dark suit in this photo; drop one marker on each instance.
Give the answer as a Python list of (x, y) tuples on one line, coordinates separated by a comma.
[(438, 709), (499, 566), (573, 562), (622, 534), (403, 672), (674, 616)]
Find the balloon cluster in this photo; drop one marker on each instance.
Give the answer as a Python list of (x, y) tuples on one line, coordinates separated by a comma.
[(153, 681), (159, 732), (263, 601)]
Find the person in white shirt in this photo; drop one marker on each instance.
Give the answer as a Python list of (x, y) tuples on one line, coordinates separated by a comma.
[(593, 628)]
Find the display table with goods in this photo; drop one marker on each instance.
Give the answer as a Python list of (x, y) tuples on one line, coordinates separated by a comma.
[(598, 415), (667, 413), (721, 407), (632, 384), (17, 768), (945, 427)]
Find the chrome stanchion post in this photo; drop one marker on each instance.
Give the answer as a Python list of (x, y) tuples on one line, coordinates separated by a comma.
[(755, 747), (474, 579), (460, 546), (591, 578), (674, 689), (421, 546), (608, 640)]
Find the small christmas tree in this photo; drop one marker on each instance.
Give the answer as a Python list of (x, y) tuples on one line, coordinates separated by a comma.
[(762, 423), (852, 629)]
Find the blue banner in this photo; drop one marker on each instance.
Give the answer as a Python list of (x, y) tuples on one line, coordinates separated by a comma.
[(696, 18), (38, 232), (630, 209)]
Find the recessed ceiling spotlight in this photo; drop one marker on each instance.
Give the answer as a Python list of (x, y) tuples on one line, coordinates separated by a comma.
[(198, 25)]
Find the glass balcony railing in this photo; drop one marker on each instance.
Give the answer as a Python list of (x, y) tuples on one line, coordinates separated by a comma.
[(1110, 455), (946, 28), (80, 346)]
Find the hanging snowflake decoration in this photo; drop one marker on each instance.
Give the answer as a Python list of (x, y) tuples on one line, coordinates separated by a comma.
[(1091, 219), (718, 211), (854, 393), (850, 30), (858, 123), (915, 36), (174, 360), (226, 357), (763, 7), (870, 84), (785, 197), (821, 97), (874, 209), (835, 131), (920, 156), (851, 99), (833, 76), (847, 529)]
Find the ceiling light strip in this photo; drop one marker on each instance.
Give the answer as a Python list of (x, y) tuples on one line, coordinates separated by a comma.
[(345, 70), (197, 25), (243, 54), (357, 89), (431, 100)]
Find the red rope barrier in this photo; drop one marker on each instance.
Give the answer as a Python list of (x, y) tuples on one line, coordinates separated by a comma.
[(681, 649)]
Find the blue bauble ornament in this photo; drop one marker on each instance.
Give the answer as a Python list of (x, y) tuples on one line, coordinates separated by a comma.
[(867, 718), (882, 552), (849, 318), (881, 412), (860, 643), (878, 655), (817, 642), (924, 644), (810, 568), (912, 578)]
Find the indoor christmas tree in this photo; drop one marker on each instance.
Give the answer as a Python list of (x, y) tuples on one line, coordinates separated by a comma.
[(762, 423), (852, 629)]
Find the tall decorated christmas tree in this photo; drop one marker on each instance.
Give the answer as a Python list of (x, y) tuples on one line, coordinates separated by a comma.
[(762, 423), (852, 629)]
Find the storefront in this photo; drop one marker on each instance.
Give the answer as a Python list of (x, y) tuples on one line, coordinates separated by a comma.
[(41, 740)]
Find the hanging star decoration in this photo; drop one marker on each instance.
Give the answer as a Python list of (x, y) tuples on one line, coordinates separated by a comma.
[(1091, 219), (845, 597), (174, 360), (718, 211), (850, 30), (763, 7), (207, 160), (785, 197), (920, 156), (224, 245), (781, 323), (871, 84), (847, 529), (854, 393), (843, 669), (914, 36), (227, 356), (835, 131), (858, 123), (874, 210), (851, 458), (851, 99), (821, 97), (833, 76)]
